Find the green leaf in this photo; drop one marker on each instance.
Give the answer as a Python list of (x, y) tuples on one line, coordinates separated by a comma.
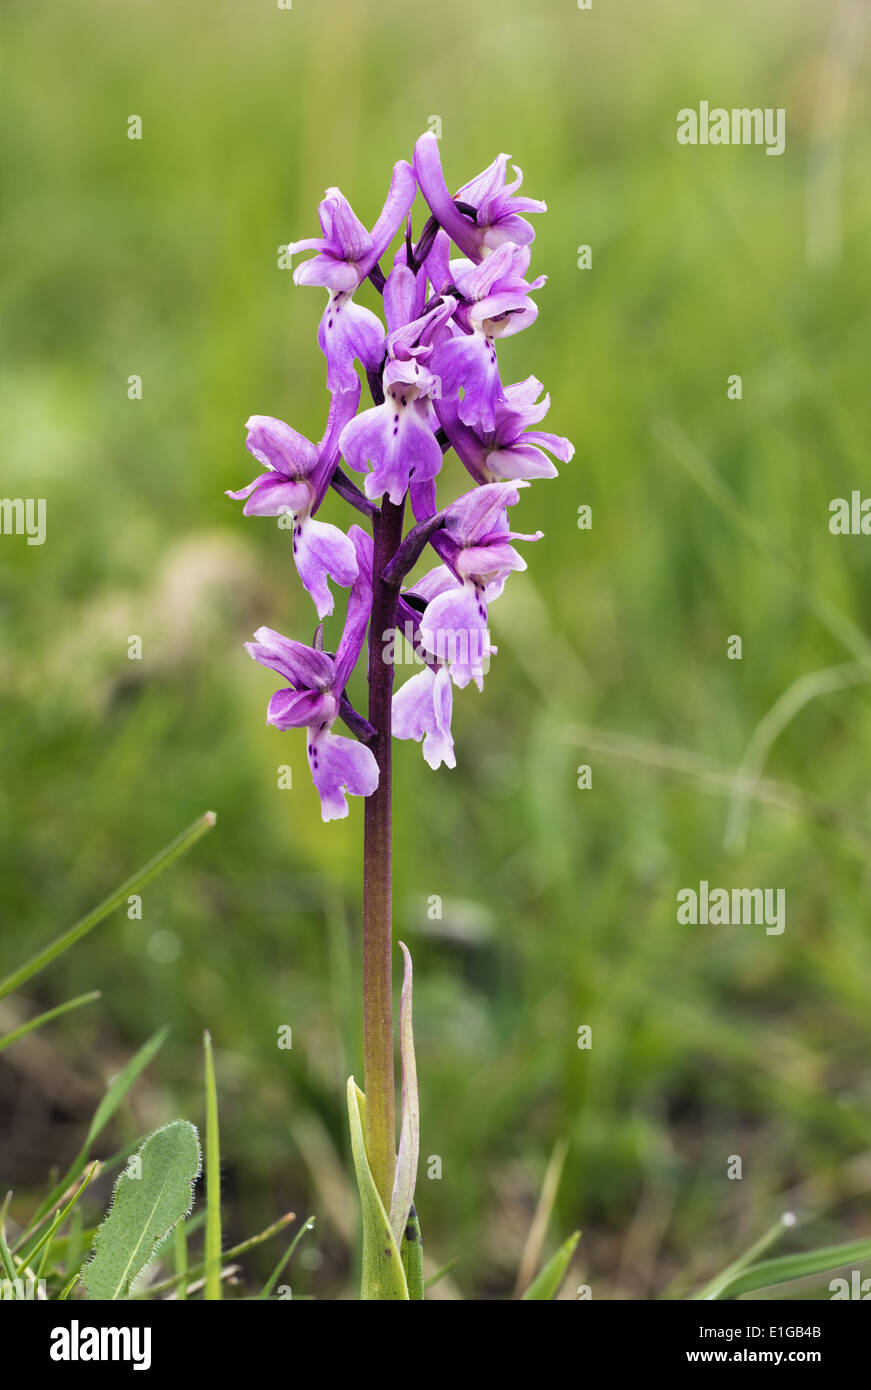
[(409, 1133), (103, 1114), (33, 1023), (411, 1246), (383, 1276), (276, 1273), (546, 1284), (155, 866), (780, 1271), (147, 1203), (45, 1241), (214, 1288), (715, 1288)]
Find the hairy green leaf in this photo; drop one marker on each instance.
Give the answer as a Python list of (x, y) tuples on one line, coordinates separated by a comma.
[(153, 1193)]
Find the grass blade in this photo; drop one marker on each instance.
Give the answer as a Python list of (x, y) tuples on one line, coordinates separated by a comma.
[(537, 1230), (213, 1178), (274, 1276), (179, 846), (244, 1246), (714, 1289), (33, 1023), (180, 1243), (780, 1271), (546, 1284), (48, 1236)]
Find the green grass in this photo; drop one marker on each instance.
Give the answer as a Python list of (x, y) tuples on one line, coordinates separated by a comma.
[(158, 258)]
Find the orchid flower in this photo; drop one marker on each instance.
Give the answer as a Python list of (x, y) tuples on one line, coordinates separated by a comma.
[(397, 437), (312, 699), (495, 303), (511, 449), (496, 204), (438, 404), (346, 254), (298, 475), (476, 546)]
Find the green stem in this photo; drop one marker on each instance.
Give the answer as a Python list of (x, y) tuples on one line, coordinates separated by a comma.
[(377, 870)]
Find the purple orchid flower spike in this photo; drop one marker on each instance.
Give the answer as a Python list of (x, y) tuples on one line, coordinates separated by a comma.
[(497, 206), (396, 440), (346, 253), (510, 450), (432, 370), (496, 304), (311, 700), (478, 554), (298, 475)]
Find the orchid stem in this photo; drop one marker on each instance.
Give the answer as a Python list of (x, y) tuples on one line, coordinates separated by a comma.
[(378, 871)]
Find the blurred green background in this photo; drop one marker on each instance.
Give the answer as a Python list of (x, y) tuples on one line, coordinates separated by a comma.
[(710, 518)]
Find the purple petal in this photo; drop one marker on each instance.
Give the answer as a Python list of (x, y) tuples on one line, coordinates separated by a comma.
[(400, 297), (468, 363), (479, 512), (428, 169), (248, 488), (422, 494), (322, 551), (276, 495), (407, 448), (467, 443), (348, 332), (305, 668), (454, 630), (359, 608), (434, 582), (479, 190), (438, 263), (505, 314), (277, 446), (403, 188), (291, 709), (518, 461), (556, 444), (422, 710), (328, 273), (489, 562), (343, 407), (343, 227), (339, 766)]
